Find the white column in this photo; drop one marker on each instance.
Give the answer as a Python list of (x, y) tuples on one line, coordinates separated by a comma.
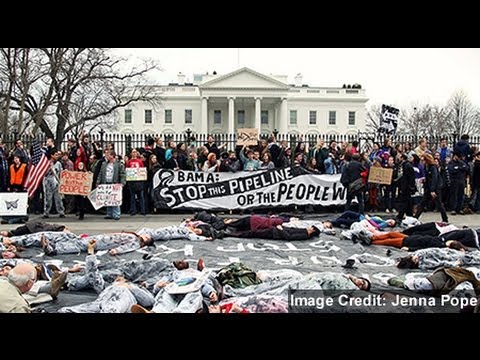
[(204, 123), (283, 125), (258, 112), (231, 115)]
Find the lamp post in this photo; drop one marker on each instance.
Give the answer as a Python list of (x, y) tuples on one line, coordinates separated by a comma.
[(188, 132), (101, 136), (275, 132)]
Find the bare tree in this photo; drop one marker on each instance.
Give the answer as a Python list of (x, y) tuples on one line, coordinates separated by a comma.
[(69, 89), (463, 116), (25, 72), (416, 121), (439, 126), (374, 116)]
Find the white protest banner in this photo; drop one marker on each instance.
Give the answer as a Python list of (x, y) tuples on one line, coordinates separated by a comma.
[(75, 182), (136, 174), (106, 195), (242, 190), (13, 204)]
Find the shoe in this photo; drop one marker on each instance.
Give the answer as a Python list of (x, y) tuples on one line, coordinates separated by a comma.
[(116, 218), (81, 217), (62, 216), (200, 265), (349, 264), (397, 282), (461, 212), (364, 238), (45, 216), (58, 280), (139, 309), (4, 222), (453, 213), (108, 217), (355, 239), (387, 211)]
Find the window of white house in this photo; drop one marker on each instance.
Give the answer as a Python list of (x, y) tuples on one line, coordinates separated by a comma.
[(241, 117), (188, 116), (128, 116), (332, 117), (351, 118), (313, 117), (264, 116), (293, 117), (217, 116), (148, 116), (168, 116)]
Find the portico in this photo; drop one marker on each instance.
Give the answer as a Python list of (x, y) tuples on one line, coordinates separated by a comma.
[(243, 99)]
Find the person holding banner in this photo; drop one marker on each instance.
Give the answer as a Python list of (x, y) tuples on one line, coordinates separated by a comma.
[(112, 172), (80, 200), (137, 186)]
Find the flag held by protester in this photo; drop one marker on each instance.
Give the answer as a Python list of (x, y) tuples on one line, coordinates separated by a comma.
[(38, 168)]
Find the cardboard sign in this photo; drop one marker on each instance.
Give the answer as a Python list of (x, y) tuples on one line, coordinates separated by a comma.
[(136, 174), (106, 195), (247, 137), (379, 175), (13, 203), (75, 182)]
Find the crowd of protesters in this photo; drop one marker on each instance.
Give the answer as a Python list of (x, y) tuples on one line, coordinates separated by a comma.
[(444, 174)]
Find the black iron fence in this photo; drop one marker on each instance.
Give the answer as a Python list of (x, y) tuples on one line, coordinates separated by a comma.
[(123, 143)]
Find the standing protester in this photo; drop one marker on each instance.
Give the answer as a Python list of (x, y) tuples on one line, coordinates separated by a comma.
[(351, 176), (51, 185), (406, 188), (112, 172), (431, 189), (136, 187), (3, 167), (458, 171), (81, 201), (475, 202)]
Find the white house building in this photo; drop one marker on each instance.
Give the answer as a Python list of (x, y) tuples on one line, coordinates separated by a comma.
[(219, 104)]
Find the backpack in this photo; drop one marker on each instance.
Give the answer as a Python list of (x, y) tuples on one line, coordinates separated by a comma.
[(237, 275)]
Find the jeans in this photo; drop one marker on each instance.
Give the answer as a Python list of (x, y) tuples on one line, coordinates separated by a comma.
[(113, 212)]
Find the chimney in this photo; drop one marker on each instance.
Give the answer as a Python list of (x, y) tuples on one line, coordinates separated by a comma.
[(298, 80), (181, 79)]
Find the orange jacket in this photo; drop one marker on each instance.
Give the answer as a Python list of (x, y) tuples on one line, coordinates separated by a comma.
[(18, 175)]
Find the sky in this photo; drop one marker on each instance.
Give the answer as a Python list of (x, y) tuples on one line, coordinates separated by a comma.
[(397, 77)]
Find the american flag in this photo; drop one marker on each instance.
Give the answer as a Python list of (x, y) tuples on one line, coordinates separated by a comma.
[(38, 168)]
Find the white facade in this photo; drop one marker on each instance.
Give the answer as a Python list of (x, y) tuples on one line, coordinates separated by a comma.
[(220, 104)]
